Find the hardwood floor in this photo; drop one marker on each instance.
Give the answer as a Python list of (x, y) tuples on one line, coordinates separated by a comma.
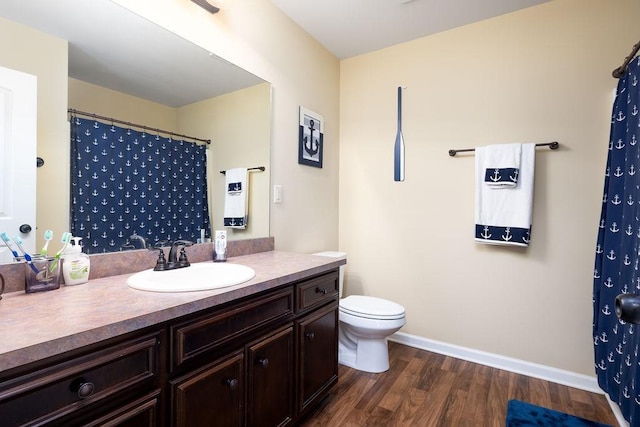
[(428, 389)]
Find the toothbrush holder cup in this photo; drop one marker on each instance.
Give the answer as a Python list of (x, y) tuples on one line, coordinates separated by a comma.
[(47, 277)]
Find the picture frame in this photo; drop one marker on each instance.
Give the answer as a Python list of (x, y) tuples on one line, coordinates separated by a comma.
[(310, 138)]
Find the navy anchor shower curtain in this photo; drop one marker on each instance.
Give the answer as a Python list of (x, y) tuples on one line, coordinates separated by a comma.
[(616, 271), (127, 182)]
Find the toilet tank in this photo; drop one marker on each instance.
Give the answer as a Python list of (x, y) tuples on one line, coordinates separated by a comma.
[(336, 254)]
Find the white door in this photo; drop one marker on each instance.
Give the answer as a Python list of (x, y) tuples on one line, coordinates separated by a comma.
[(18, 126)]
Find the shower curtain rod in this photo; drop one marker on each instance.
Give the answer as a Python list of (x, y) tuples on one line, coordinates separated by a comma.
[(145, 128), (552, 145), (619, 72)]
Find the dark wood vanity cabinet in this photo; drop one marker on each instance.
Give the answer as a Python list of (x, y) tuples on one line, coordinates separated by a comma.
[(318, 355), (210, 396), (117, 384), (270, 377), (263, 360)]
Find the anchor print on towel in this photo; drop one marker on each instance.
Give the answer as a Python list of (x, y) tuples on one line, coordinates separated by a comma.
[(507, 235), (515, 235), (505, 176)]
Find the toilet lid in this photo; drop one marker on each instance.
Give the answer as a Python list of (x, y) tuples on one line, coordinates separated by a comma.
[(371, 307)]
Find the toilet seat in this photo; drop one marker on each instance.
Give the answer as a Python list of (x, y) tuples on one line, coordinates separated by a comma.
[(371, 308)]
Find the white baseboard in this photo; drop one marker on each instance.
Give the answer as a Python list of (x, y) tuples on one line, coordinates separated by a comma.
[(548, 373), (616, 411)]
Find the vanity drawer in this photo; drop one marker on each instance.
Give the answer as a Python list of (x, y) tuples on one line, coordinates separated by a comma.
[(315, 292), (46, 395), (194, 337)]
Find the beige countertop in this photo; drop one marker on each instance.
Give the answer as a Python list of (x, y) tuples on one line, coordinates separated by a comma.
[(40, 325)]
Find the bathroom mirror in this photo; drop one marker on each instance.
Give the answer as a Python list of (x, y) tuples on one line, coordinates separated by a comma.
[(147, 75)]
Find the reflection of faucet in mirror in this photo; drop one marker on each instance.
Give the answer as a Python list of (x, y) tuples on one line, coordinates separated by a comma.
[(143, 241)]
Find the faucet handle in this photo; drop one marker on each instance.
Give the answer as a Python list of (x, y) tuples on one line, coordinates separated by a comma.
[(182, 243), (161, 262), (182, 259)]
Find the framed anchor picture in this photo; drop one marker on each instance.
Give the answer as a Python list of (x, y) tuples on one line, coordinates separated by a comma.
[(310, 138)]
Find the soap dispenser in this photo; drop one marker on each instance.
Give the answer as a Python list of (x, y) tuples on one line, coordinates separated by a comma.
[(76, 265)]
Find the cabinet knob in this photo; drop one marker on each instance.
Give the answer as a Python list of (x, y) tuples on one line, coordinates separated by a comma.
[(322, 291), (232, 383), (310, 335), (82, 387), (263, 362)]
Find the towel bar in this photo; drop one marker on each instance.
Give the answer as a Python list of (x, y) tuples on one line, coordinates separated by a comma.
[(260, 168), (552, 145)]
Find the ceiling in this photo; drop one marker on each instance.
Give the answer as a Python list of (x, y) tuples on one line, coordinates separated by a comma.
[(112, 47), (352, 27)]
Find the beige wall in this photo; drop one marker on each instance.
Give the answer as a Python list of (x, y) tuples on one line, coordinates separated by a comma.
[(239, 125), (255, 35), (45, 57), (90, 98), (541, 74)]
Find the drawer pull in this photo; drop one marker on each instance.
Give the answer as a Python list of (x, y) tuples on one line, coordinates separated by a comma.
[(263, 362), (82, 387), (310, 335), (320, 290), (232, 383)]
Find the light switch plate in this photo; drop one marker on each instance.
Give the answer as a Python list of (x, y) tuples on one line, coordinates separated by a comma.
[(277, 194)]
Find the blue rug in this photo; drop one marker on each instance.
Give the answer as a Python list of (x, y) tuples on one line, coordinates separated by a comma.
[(525, 414)]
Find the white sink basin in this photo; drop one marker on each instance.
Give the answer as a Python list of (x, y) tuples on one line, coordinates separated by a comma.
[(197, 277)]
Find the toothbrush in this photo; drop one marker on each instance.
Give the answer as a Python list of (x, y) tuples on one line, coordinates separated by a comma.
[(6, 241), (27, 257), (66, 237), (48, 235)]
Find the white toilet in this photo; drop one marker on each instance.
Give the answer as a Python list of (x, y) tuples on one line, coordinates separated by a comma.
[(365, 324)]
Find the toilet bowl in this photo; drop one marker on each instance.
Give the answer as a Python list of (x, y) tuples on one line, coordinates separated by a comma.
[(365, 324)]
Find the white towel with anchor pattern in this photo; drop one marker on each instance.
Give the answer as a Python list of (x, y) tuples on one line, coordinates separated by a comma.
[(236, 197), (502, 165), (504, 217)]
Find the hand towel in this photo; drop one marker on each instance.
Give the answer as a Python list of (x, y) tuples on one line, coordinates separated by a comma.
[(236, 197), (504, 217), (502, 165)]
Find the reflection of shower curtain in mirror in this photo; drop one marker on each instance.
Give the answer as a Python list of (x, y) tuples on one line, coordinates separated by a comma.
[(616, 343), (126, 182)]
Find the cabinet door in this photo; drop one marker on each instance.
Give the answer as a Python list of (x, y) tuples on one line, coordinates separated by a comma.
[(270, 380), (140, 413), (318, 354), (211, 396)]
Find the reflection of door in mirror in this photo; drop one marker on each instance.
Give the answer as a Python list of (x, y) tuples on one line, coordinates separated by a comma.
[(18, 179)]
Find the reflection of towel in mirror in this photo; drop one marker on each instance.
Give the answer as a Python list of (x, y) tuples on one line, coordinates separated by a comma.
[(502, 165), (503, 217), (235, 198)]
